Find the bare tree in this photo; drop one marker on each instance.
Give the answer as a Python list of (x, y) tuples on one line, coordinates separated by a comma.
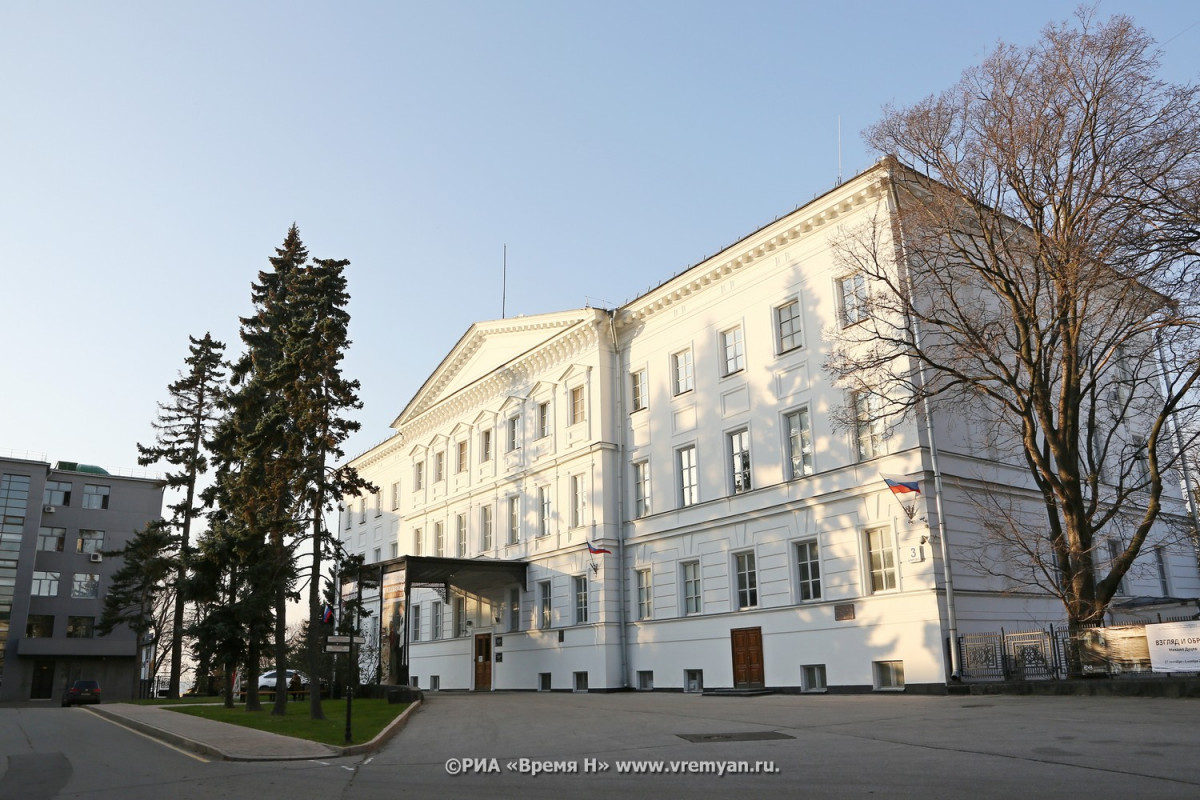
[(1038, 268)]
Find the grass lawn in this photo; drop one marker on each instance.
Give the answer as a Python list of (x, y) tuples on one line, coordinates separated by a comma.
[(369, 717)]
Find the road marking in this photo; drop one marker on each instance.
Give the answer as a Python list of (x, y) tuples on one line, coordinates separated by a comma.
[(322, 763), (148, 737), (369, 760)]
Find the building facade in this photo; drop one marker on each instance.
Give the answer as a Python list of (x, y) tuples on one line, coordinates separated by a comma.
[(688, 510), (58, 523)]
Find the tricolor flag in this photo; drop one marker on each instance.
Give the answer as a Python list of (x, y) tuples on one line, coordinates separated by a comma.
[(327, 617), (906, 492), (597, 550), (899, 485)]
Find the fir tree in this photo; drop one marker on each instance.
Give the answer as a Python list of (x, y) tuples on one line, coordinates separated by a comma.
[(183, 427)]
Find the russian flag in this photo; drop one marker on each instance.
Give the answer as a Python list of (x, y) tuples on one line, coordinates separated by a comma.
[(597, 550), (327, 617), (900, 485)]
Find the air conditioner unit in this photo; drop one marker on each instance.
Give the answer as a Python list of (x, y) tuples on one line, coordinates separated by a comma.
[(95, 558), (48, 509)]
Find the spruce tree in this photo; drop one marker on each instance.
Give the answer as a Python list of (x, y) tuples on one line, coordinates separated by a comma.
[(184, 425)]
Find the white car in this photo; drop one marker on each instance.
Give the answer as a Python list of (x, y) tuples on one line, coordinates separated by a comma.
[(268, 680)]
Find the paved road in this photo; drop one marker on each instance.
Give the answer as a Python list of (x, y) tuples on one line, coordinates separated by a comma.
[(816, 746)]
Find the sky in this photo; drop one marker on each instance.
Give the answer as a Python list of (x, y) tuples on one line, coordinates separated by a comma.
[(153, 155)]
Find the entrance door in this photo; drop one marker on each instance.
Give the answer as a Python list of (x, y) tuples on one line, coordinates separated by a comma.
[(483, 662), (43, 679), (747, 658)]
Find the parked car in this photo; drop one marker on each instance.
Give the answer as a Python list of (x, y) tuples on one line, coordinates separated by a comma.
[(267, 681), (82, 692)]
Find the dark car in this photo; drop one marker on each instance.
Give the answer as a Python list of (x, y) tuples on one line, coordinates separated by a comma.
[(82, 692)]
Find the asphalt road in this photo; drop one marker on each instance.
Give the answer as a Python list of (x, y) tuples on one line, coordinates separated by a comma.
[(804, 746)]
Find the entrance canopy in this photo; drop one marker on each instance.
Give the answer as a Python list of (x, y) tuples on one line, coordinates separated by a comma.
[(482, 577)]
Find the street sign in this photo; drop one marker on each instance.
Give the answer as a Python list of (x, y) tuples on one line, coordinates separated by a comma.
[(337, 648), (337, 640), (360, 640)]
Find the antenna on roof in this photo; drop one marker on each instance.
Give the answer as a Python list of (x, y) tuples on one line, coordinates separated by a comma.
[(839, 180), (503, 280)]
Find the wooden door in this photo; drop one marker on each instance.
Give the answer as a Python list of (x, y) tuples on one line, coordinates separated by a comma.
[(747, 658), (483, 662)]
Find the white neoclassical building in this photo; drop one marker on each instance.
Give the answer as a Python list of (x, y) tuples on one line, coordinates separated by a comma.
[(656, 496)]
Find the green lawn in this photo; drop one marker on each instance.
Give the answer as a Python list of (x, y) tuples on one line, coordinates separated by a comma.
[(369, 717)]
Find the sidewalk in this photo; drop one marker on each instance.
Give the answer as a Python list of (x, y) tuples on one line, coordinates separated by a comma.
[(233, 742)]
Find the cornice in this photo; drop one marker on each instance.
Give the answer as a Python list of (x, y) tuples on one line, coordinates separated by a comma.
[(813, 218)]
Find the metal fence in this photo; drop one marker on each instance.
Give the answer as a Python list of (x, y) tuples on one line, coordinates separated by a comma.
[(1048, 654)]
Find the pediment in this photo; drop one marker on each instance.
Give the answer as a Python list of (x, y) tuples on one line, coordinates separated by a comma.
[(487, 347)]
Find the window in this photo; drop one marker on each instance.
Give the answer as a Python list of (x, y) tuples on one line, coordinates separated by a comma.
[(1114, 551), (85, 586), (485, 528), (395, 550), (581, 599), (681, 371), (514, 609), (808, 564), (39, 626), (514, 520), (417, 542), (889, 675), (415, 620), (882, 560), (577, 410), (52, 539), (543, 520), (45, 584), (460, 457), (95, 496), (485, 447), (418, 476), (460, 527), (439, 467), (581, 681), (1140, 472), (545, 607), (435, 619), (1160, 565), (577, 501), (787, 323), (691, 587), (641, 488), (799, 442), (645, 601), (868, 425), (543, 420), (439, 540), (747, 580), (57, 493), (739, 460), (378, 500), (460, 617), (733, 351), (513, 440), (689, 493), (812, 678), (641, 390), (852, 299), (395, 495), (362, 511), (348, 512), (377, 555), (645, 679)]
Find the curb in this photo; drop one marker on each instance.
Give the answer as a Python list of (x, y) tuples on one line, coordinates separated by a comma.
[(205, 749)]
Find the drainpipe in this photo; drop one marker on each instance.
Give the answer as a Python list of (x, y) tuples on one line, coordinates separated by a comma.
[(620, 382), (947, 572)]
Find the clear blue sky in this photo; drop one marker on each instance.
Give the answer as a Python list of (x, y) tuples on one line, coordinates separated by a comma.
[(152, 156)]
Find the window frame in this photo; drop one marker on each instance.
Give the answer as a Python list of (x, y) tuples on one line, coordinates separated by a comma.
[(691, 581), (45, 536), (439, 539), (644, 597), (579, 592), (90, 500), (799, 436), (869, 426), (806, 555), (435, 620), (460, 535), (543, 510), (53, 489), (851, 299), (888, 563), (486, 527), (545, 616), (485, 446), (795, 324), (514, 519), (745, 568), (543, 424), (85, 586), (731, 344), (45, 583), (641, 488), (639, 399), (418, 542), (512, 440), (461, 457), (687, 475), (683, 372), (740, 464), (577, 409)]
